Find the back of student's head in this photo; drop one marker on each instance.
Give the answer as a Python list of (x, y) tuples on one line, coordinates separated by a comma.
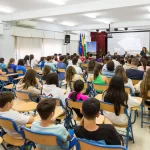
[(49, 58), (31, 58), (20, 62), (11, 60), (134, 62), (118, 58), (91, 65), (52, 79), (74, 61), (91, 108), (1, 60), (91, 54), (75, 54), (121, 71), (129, 60), (46, 70), (78, 87), (114, 57), (116, 94), (45, 108), (42, 59), (97, 70), (26, 58), (144, 63), (61, 58), (5, 97), (29, 79), (107, 58), (145, 85), (70, 72), (110, 66)]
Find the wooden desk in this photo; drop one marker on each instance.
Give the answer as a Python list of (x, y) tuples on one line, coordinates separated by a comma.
[(39, 71), (99, 96), (19, 78), (9, 87), (100, 119), (23, 106), (12, 74), (58, 111)]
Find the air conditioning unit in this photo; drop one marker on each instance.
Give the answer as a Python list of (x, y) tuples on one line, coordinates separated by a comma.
[(27, 23)]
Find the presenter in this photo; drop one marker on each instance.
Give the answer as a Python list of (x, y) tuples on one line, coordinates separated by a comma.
[(143, 52)]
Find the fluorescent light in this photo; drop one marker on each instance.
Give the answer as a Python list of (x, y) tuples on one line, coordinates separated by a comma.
[(148, 8), (47, 19), (66, 23), (104, 21), (92, 15), (58, 2), (6, 9)]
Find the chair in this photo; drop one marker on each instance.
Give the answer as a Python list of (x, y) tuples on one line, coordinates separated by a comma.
[(84, 65), (144, 115), (23, 95), (20, 72), (40, 138), (28, 67), (10, 70), (10, 125), (83, 144), (61, 70), (37, 68), (135, 81), (110, 108)]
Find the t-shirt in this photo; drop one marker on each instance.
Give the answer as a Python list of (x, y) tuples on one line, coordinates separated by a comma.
[(21, 68), (17, 117), (53, 68), (13, 66), (78, 69), (58, 130), (61, 75), (80, 96), (33, 63), (105, 132)]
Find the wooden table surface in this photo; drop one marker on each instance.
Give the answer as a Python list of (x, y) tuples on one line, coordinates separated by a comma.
[(12, 74)]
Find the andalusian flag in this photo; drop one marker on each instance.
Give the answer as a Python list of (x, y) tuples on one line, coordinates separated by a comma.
[(82, 44), (84, 47)]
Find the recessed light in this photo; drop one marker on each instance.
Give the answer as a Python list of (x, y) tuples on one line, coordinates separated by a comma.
[(58, 2), (47, 19), (92, 15), (6, 9), (66, 23), (104, 21)]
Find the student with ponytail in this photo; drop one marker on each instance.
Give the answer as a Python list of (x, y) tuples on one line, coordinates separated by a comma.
[(144, 66), (76, 95), (11, 64)]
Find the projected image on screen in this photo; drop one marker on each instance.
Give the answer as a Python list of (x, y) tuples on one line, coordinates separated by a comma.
[(91, 47), (130, 42)]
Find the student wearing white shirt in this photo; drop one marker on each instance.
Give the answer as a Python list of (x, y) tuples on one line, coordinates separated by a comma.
[(115, 62), (6, 104), (26, 60), (33, 62), (127, 82), (116, 95), (51, 88)]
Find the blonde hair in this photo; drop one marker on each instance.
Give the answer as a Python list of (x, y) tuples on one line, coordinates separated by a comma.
[(11, 60), (70, 73)]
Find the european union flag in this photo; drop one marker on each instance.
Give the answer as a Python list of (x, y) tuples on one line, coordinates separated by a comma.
[(80, 45)]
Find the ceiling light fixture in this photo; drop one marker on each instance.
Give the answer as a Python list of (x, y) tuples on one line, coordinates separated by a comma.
[(92, 15), (58, 2), (47, 19), (66, 23), (6, 9), (104, 21)]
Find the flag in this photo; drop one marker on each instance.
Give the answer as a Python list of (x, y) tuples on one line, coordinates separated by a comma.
[(80, 45), (84, 47)]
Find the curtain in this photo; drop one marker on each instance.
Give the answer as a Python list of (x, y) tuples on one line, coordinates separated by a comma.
[(27, 46), (73, 47), (52, 46)]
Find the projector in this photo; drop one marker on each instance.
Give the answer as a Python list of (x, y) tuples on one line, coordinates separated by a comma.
[(109, 35)]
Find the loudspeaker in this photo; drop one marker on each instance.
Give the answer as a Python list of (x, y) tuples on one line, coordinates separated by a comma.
[(67, 38)]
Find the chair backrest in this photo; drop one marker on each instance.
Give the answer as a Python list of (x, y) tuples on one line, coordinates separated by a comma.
[(61, 70), (23, 95), (85, 145), (84, 65), (4, 78), (109, 79), (72, 104), (37, 68), (148, 94), (10, 70), (85, 86), (135, 81), (28, 67), (19, 71), (8, 124), (39, 137)]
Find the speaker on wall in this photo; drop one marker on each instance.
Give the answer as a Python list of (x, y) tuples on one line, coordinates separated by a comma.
[(67, 38)]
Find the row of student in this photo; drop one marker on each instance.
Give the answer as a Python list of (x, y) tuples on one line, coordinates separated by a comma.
[(46, 108)]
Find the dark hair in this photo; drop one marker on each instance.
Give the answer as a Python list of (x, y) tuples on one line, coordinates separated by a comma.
[(26, 58), (97, 70), (116, 94), (118, 58), (78, 87), (11, 60), (75, 54), (46, 107), (52, 78), (29, 79), (41, 59), (144, 63), (61, 58), (31, 57), (55, 54), (5, 97), (107, 58), (46, 70), (114, 57), (48, 58), (20, 62), (71, 57), (1, 60), (122, 61), (91, 65), (90, 108), (91, 54), (129, 60), (134, 62), (74, 61), (110, 66)]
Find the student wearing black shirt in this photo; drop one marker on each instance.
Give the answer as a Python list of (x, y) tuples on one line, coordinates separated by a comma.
[(88, 128)]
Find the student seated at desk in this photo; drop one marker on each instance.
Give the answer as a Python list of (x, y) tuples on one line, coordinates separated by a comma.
[(6, 104), (26, 60), (45, 72), (76, 95), (11, 64), (33, 62), (21, 67), (88, 128), (42, 62), (29, 83), (3, 65), (46, 110), (2, 73), (117, 95), (51, 88), (50, 63)]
